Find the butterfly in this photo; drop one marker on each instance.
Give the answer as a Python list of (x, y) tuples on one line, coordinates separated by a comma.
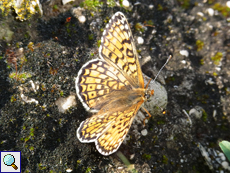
[(112, 87)]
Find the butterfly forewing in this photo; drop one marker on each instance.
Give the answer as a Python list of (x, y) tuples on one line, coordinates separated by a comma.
[(97, 79), (118, 49)]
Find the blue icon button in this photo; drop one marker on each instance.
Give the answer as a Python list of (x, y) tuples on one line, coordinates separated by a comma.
[(9, 160)]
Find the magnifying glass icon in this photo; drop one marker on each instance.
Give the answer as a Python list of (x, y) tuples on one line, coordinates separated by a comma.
[(9, 160)]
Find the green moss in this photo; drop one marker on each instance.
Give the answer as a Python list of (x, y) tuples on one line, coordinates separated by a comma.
[(204, 116), (90, 37), (160, 122), (164, 159), (93, 5), (185, 4), (32, 132), (24, 127), (20, 76), (41, 167), (149, 23), (204, 19), (12, 99), (171, 78), (211, 1), (146, 156), (138, 51), (88, 169), (139, 27), (203, 98), (111, 3), (61, 93), (98, 43), (60, 121), (224, 10), (159, 7), (199, 45), (227, 90), (217, 58), (68, 30), (55, 7), (27, 138), (202, 62), (31, 148)]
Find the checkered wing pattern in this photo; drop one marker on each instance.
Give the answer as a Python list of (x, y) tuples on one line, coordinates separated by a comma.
[(118, 49), (112, 86), (95, 81), (107, 130)]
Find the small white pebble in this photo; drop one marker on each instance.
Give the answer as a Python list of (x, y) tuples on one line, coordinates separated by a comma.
[(69, 170), (151, 6), (20, 50), (27, 99), (140, 40), (214, 114), (225, 165), (33, 3), (194, 112), (184, 53), (218, 68), (200, 14), (209, 81), (33, 86), (66, 1), (137, 3), (76, 12), (183, 62), (154, 31), (222, 156), (65, 103), (228, 4), (125, 3), (131, 156), (182, 160), (144, 132), (210, 11), (82, 19), (32, 9)]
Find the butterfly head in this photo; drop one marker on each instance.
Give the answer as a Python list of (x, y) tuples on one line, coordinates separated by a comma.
[(148, 94)]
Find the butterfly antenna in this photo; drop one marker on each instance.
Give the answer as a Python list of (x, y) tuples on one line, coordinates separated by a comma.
[(169, 58)]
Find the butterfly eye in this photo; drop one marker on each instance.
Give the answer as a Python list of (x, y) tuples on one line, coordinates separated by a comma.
[(147, 96), (152, 92)]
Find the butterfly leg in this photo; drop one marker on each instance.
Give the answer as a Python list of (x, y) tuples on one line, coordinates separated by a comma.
[(146, 117)]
